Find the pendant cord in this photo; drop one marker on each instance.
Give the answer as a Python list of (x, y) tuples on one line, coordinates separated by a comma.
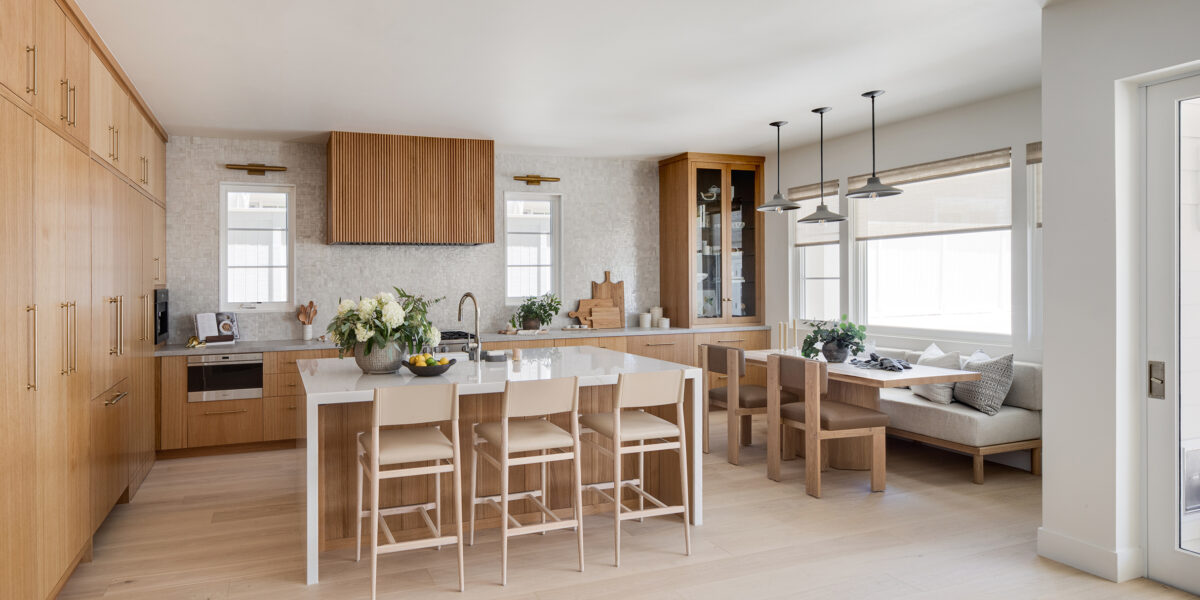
[(821, 172), (873, 174), (778, 167)]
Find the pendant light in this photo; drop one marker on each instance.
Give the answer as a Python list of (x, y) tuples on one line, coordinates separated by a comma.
[(778, 203), (874, 188), (822, 214)]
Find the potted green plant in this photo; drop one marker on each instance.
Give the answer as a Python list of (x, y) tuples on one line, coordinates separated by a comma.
[(383, 330), (537, 311), (837, 339)]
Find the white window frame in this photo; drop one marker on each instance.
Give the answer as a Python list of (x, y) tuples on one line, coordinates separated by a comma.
[(556, 220), (223, 202), (801, 278)]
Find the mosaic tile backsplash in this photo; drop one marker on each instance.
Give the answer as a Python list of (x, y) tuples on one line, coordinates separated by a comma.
[(610, 222)]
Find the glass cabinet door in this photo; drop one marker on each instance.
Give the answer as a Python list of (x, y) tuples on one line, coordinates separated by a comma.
[(743, 239), (709, 249)]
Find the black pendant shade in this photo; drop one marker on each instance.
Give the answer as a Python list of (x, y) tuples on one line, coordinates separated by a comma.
[(874, 188), (778, 203), (822, 214)]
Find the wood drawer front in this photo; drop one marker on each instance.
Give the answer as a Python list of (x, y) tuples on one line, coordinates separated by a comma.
[(282, 384), (283, 418), (616, 343), (746, 340), (518, 342), (285, 362), (225, 422), (676, 348)]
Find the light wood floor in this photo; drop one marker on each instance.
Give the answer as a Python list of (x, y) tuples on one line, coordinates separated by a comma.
[(231, 527)]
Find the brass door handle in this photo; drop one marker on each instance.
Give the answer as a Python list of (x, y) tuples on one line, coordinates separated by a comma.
[(32, 88), (112, 142), (64, 115), (66, 348), (72, 104), (118, 144), (119, 396), (121, 325), (33, 386), (225, 412), (74, 308), (115, 349)]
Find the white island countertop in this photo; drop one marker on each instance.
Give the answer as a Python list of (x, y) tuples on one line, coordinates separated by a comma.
[(337, 380)]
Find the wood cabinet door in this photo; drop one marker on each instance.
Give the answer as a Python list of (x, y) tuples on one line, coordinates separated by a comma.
[(224, 422), (158, 236), (63, 496), (172, 402), (100, 108), (283, 418), (18, 559), (119, 117), (50, 89), (104, 189), (132, 138), (109, 415), (77, 66), (16, 47), (158, 169), (676, 348)]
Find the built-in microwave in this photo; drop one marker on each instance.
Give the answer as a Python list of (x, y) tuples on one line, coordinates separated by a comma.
[(161, 318), (224, 377)]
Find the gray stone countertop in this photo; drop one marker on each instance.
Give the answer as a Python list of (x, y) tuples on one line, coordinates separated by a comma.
[(550, 334)]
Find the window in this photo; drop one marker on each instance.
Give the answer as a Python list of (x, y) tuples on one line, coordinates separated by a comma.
[(256, 247), (938, 256), (817, 256), (531, 229)]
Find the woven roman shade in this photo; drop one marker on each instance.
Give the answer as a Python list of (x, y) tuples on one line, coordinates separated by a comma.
[(809, 197), (959, 195)]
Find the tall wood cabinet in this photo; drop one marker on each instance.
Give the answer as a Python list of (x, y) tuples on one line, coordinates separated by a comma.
[(711, 239), (82, 237)]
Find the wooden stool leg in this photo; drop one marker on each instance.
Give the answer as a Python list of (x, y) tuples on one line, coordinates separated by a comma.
[(747, 422), (683, 484), (545, 488), (373, 535), (1035, 461), (734, 443), (474, 469), (358, 510), (504, 516), (437, 503), (641, 479), (617, 493), (879, 461), (458, 521), (812, 462), (977, 468), (704, 416), (578, 464)]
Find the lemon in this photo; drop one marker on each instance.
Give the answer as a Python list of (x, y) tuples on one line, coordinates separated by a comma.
[(444, 361), (428, 356)]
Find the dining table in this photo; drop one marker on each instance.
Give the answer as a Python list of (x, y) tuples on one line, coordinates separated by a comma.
[(855, 385)]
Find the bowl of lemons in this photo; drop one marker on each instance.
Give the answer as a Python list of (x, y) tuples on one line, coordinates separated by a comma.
[(427, 365)]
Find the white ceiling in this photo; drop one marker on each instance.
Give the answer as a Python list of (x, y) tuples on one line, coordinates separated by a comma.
[(629, 78)]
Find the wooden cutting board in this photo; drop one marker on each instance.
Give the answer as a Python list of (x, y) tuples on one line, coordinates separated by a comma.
[(614, 291), (606, 317), (584, 312)]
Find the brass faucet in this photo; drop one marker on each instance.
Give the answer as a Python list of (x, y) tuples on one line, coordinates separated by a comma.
[(472, 354)]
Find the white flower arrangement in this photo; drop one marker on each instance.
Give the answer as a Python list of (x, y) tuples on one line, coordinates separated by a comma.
[(384, 319)]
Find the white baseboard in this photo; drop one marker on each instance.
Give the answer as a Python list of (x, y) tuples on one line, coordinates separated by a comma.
[(1119, 565)]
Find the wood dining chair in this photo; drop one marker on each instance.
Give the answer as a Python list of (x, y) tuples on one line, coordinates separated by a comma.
[(524, 429), (741, 402), (636, 392), (394, 448), (834, 420)]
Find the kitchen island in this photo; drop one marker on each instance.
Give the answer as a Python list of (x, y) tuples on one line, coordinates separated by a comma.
[(338, 401)]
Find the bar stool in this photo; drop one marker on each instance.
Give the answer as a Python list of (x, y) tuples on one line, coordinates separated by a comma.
[(640, 391), (820, 419), (741, 402), (410, 405), (516, 435)]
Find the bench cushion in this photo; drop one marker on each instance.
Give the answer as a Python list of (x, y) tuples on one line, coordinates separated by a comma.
[(957, 422)]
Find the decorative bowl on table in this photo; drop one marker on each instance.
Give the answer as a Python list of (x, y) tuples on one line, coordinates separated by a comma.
[(429, 370)]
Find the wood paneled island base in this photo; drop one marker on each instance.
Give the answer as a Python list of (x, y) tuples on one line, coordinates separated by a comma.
[(341, 415)]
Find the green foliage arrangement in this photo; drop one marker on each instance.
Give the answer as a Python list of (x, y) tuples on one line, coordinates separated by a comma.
[(540, 308), (842, 334), (401, 318)]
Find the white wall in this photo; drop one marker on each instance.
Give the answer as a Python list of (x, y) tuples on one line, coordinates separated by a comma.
[(610, 221), (1012, 121), (1093, 54)]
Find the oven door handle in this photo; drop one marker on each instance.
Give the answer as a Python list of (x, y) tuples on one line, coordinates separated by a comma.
[(224, 362)]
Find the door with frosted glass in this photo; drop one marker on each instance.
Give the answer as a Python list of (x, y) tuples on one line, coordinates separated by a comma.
[(1173, 332)]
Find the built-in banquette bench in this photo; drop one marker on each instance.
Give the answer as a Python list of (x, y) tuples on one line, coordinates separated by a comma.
[(956, 426)]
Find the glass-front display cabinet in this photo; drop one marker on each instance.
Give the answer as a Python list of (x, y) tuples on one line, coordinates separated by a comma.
[(711, 239)]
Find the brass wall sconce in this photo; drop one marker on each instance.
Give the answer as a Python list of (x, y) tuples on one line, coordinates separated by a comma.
[(534, 179), (255, 168)]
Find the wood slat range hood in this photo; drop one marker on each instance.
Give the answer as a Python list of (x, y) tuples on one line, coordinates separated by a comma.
[(400, 189)]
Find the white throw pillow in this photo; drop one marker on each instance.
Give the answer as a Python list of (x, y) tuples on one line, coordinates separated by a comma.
[(976, 356), (931, 351), (941, 393)]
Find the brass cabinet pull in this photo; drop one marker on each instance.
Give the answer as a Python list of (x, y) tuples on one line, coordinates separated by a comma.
[(728, 341), (120, 325), (291, 408), (66, 349), (117, 397), (118, 145), (115, 349), (112, 142), (33, 386), (33, 88), (72, 104), (662, 344), (66, 93), (74, 308), (142, 334), (225, 412)]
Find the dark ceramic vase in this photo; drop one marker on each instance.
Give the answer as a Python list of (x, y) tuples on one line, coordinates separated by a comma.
[(531, 324), (835, 353)]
